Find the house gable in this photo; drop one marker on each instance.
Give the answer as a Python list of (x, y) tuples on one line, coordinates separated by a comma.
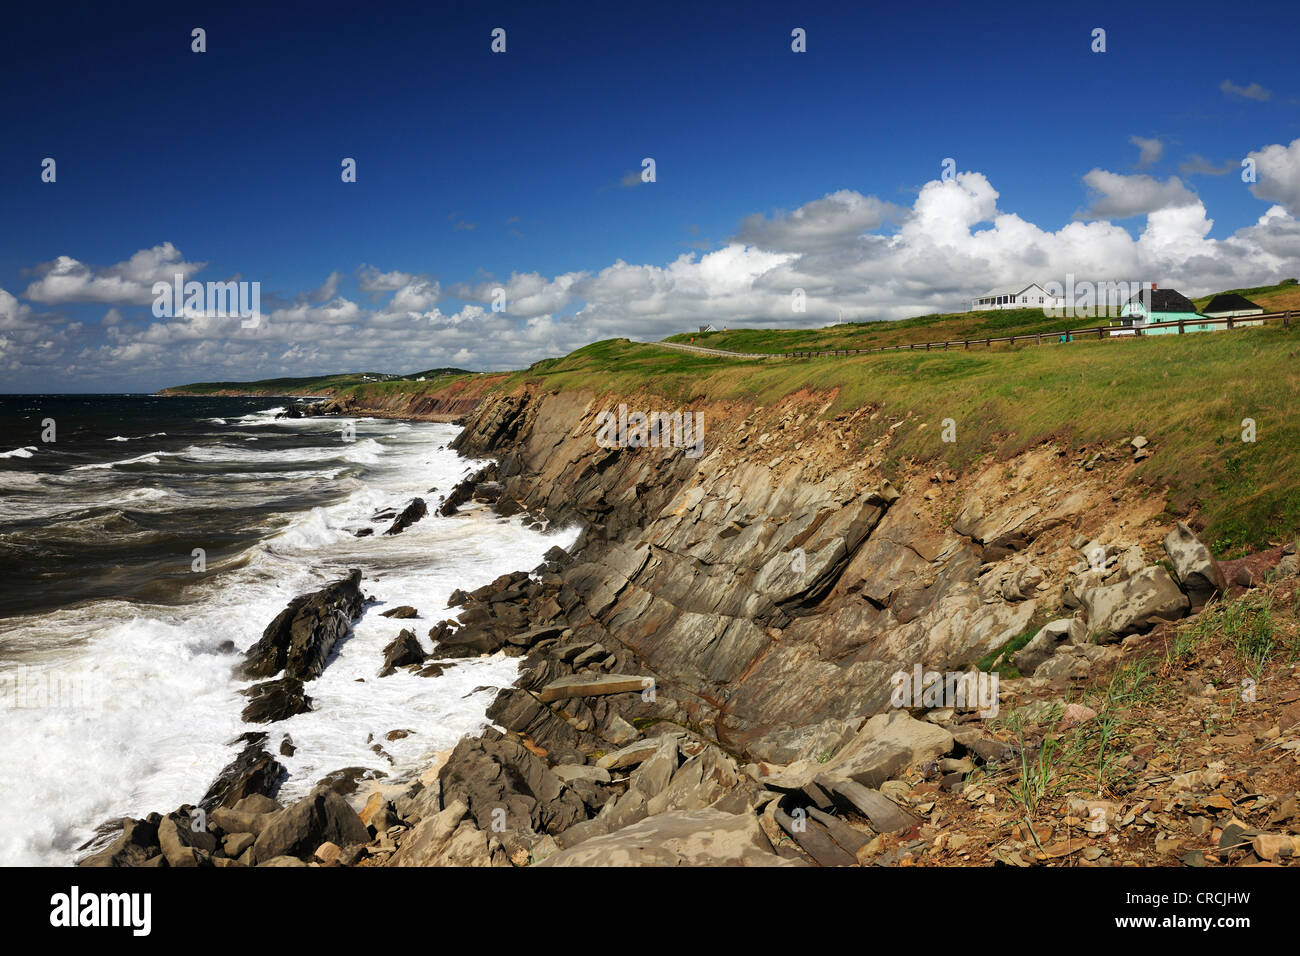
[(1230, 304)]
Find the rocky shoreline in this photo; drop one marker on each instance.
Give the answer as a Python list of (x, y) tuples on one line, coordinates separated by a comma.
[(709, 674)]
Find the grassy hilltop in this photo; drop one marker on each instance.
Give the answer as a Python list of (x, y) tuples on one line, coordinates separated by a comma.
[(305, 385), (1187, 394), (940, 327)]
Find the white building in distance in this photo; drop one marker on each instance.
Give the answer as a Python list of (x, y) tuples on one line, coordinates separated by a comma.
[(1031, 296)]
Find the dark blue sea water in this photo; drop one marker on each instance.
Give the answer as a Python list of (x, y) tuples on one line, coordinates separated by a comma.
[(117, 650), (115, 504)]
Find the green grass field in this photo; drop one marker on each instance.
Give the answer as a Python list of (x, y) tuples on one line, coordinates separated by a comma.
[(1188, 394), (946, 327)]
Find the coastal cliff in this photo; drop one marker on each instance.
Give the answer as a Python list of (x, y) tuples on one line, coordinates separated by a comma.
[(711, 673)]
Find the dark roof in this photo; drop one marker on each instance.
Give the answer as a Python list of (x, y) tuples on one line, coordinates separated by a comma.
[(1165, 300), (1230, 302)]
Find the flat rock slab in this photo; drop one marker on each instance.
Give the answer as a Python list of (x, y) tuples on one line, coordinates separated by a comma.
[(846, 836), (638, 752), (814, 839), (679, 838), (886, 745), (571, 772), (884, 814), (582, 685)]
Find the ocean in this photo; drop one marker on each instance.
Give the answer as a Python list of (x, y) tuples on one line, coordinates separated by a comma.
[(116, 679)]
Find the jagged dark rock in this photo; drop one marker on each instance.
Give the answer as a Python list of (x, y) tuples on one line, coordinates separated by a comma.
[(497, 775), (274, 700), (300, 638), (402, 651), (328, 406), (413, 512), (253, 771), (134, 846)]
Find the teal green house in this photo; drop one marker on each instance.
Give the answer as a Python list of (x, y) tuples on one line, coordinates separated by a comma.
[(1161, 305)]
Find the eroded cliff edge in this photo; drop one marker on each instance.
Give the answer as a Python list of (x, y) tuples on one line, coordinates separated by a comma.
[(774, 584), (708, 671)]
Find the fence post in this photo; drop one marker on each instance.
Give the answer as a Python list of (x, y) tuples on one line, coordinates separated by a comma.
[(1286, 320), (1040, 338), (965, 343), (1181, 326), (1229, 323)]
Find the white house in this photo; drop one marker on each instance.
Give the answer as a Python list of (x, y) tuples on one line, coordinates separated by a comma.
[(1230, 305), (1018, 296)]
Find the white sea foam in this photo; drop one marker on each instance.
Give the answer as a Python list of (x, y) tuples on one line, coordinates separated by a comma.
[(165, 704), (264, 417), (20, 452), (149, 458)]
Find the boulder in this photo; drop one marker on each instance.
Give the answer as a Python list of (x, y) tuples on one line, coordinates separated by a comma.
[(1022, 584), (572, 772), (230, 820), (487, 491), (1198, 572), (446, 838), (679, 838), (814, 838), (298, 830), (257, 803), (402, 613), (1074, 661), (1043, 645), (1135, 605), (405, 649), (235, 844), (630, 755), (181, 844), (496, 775), (887, 744)]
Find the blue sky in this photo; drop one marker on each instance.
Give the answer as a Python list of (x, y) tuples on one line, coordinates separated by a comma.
[(774, 170)]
